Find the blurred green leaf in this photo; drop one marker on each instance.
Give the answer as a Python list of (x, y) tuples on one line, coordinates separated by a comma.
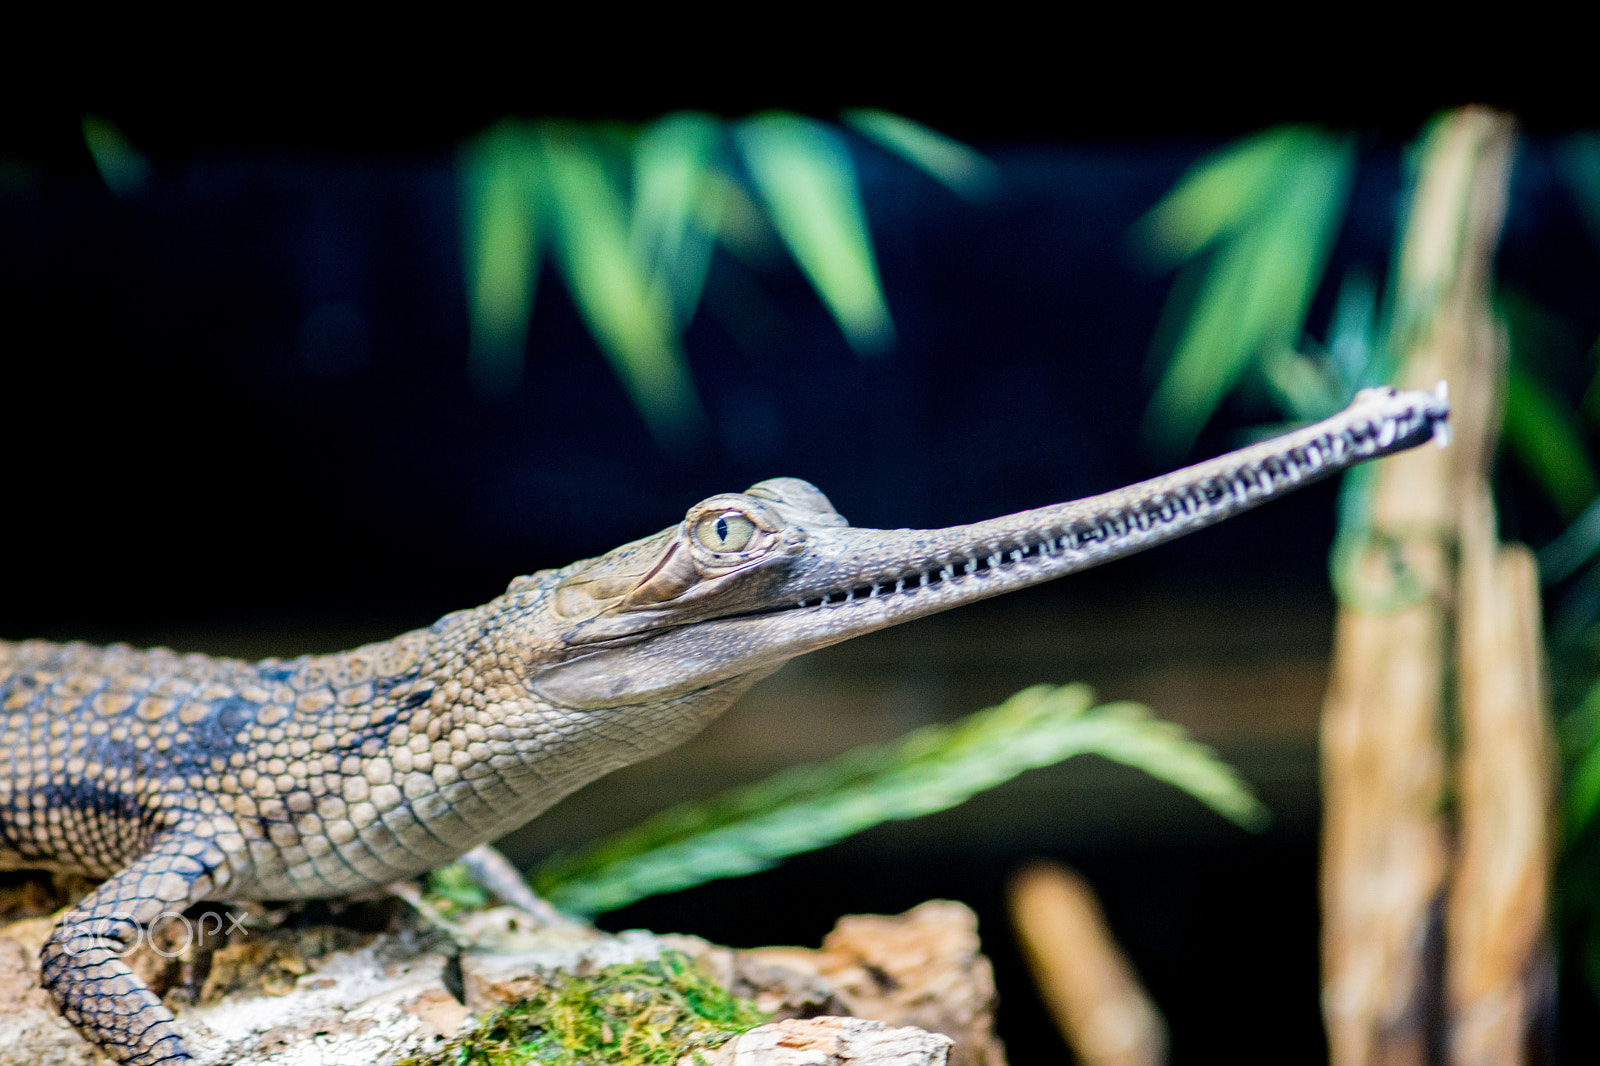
[(454, 887), (500, 192), (1576, 546), (676, 204), (123, 168), (632, 216), (1311, 388), (1545, 436), (1356, 349), (1303, 385), (803, 173), (950, 161), (1268, 211), (1580, 159), (1583, 788), (750, 829), (628, 312), (1225, 192)]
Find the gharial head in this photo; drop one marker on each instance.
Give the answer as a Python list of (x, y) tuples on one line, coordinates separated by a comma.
[(749, 580)]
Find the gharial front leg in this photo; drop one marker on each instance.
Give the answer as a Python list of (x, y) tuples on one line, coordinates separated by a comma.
[(82, 961)]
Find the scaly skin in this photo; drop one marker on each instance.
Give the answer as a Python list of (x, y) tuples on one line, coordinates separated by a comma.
[(185, 778)]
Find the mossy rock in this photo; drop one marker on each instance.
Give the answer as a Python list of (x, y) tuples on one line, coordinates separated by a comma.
[(634, 1014)]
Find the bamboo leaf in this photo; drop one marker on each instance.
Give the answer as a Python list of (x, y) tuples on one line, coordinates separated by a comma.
[(1210, 354), (1305, 388), (1544, 434), (1224, 192), (1583, 789), (1253, 298), (1356, 352), (949, 161), (803, 173), (804, 808), (500, 194), (676, 204), (1576, 545), (1580, 158), (634, 248), (123, 168), (627, 311)]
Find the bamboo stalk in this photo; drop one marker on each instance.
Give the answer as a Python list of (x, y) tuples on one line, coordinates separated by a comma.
[(1091, 990), (1429, 950), (1384, 842), (1497, 953)]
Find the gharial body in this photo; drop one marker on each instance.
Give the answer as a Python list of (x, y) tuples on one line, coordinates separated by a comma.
[(181, 778)]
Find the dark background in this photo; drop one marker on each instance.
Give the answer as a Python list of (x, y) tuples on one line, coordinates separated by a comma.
[(235, 416)]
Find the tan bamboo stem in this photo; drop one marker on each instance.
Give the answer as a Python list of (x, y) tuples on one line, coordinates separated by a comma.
[(1399, 985), (1091, 990)]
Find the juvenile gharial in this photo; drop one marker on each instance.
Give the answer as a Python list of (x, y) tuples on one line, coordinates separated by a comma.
[(181, 778)]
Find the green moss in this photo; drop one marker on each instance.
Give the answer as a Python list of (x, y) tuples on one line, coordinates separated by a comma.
[(632, 1015), (453, 891)]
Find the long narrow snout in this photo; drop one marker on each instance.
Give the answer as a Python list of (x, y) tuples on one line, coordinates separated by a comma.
[(849, 581)]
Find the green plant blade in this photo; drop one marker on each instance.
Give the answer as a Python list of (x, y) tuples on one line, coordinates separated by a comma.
[(627, 311), (803, 174), (123, 168), (750, 829), (500, 180), (1543, 433), (631, 217), (1224, 192), (1580, 158), (949, 161), (676, 204), (1134, 737), (1269, 255), (1577, 544), (1583, 788)]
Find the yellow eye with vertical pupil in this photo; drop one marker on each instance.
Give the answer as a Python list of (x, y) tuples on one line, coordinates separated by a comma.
[(729, 531)]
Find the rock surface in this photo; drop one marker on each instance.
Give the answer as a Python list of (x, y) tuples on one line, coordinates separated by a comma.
[(830, 1042), (326, 994), (923, 968), (300, 997)]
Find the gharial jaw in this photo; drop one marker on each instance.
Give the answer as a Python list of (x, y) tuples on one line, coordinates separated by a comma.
[(750, 580)]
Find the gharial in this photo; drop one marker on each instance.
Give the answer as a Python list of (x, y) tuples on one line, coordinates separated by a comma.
[(181, 778)]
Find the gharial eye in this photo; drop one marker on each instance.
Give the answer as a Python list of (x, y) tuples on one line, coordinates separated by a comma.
[(729, 531)]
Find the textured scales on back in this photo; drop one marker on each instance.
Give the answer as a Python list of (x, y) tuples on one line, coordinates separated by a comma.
[(181, 778)]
